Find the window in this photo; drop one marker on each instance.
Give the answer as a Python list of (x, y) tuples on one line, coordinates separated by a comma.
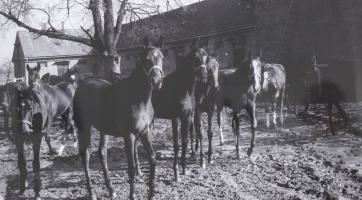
[(62, 67)]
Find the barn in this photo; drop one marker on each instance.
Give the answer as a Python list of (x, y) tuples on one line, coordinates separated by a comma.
[(284, 29)]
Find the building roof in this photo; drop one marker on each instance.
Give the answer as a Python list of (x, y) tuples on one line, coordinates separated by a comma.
[(35, 46), (202, 18)]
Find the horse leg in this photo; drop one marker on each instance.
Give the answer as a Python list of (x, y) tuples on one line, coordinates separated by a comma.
[(84, 142), (191, 130), (6, 123), (129, 144), (219, 122), (251, 112), (36, 164), (275, 98), (102, 152), (343, 114), (138, 169), (185, 124), (267, 124), (236, 134), (200, 135), (67, 128), (47, 136), (282, 93), (287, 98), (147, 144), (210, 133), (176, 147), (21, 164), (330, 112), (307, 102)]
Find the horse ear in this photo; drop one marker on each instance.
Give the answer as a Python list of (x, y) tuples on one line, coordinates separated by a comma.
[(28, 67), (216, 54), (37, 68), (207, 42), (146, 42), (159, 44), (194, 43)]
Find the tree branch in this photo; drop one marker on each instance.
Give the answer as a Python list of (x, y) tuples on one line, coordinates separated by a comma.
[(97, 20), (52, 34), (121, 14)]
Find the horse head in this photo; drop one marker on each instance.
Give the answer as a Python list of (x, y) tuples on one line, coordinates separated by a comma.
[(31, 104), (34, 76), (71, 76), (255, 70), (45, 78), (199, 59), (213, 71), (152, 62)]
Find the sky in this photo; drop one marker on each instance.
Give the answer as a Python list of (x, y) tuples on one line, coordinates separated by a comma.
[(7, 39)]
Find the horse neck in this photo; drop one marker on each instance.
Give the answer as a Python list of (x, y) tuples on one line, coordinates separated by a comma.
[(241, 74), (186, 73), (139, 81)]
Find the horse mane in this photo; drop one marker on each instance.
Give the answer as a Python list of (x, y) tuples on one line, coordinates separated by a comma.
[(242, 71)]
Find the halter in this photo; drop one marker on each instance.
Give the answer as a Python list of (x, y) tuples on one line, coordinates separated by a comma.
[(37, 84), (24, 121), (255, 74), (201, 66), (153, 68)]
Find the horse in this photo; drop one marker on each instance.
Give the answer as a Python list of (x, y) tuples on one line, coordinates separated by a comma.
[(332, 90), (7, 93), (175, 99), (238, 89), (302, 73), (205, 102), (69, 77), (273, 88), (124, 110), (58, 100)]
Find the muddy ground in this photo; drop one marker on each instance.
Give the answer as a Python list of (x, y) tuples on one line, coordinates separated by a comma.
[(300, 160)]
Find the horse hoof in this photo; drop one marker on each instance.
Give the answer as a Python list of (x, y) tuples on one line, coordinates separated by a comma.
[(75, 145), (53, 152), (113, 194), (178, 179), (250, 151), (139, 172), (132, 197), (221, 143), (151, 196), (37, 197), (93, 196), (203, 165)]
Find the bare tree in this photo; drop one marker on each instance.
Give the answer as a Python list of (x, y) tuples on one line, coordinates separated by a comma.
[(101, 21), (6, 68)]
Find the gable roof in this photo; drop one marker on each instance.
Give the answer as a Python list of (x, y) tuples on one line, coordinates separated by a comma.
[(35, 46), (202, 18)]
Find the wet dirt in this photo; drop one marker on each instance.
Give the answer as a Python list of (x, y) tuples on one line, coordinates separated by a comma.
[(300, 160)]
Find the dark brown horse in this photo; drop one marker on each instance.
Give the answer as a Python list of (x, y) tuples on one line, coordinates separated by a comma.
[(31, 112), (302, 73), (238, 89), (69, 76), (124, 110), (205, 98), (7, 93), (58, 100), (273, 88), (175, 99)]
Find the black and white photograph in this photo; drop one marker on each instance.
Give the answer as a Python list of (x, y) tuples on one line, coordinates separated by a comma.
[(181, 99)]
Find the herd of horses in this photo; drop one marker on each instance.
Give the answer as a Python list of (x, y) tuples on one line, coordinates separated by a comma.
[(126, 107)]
